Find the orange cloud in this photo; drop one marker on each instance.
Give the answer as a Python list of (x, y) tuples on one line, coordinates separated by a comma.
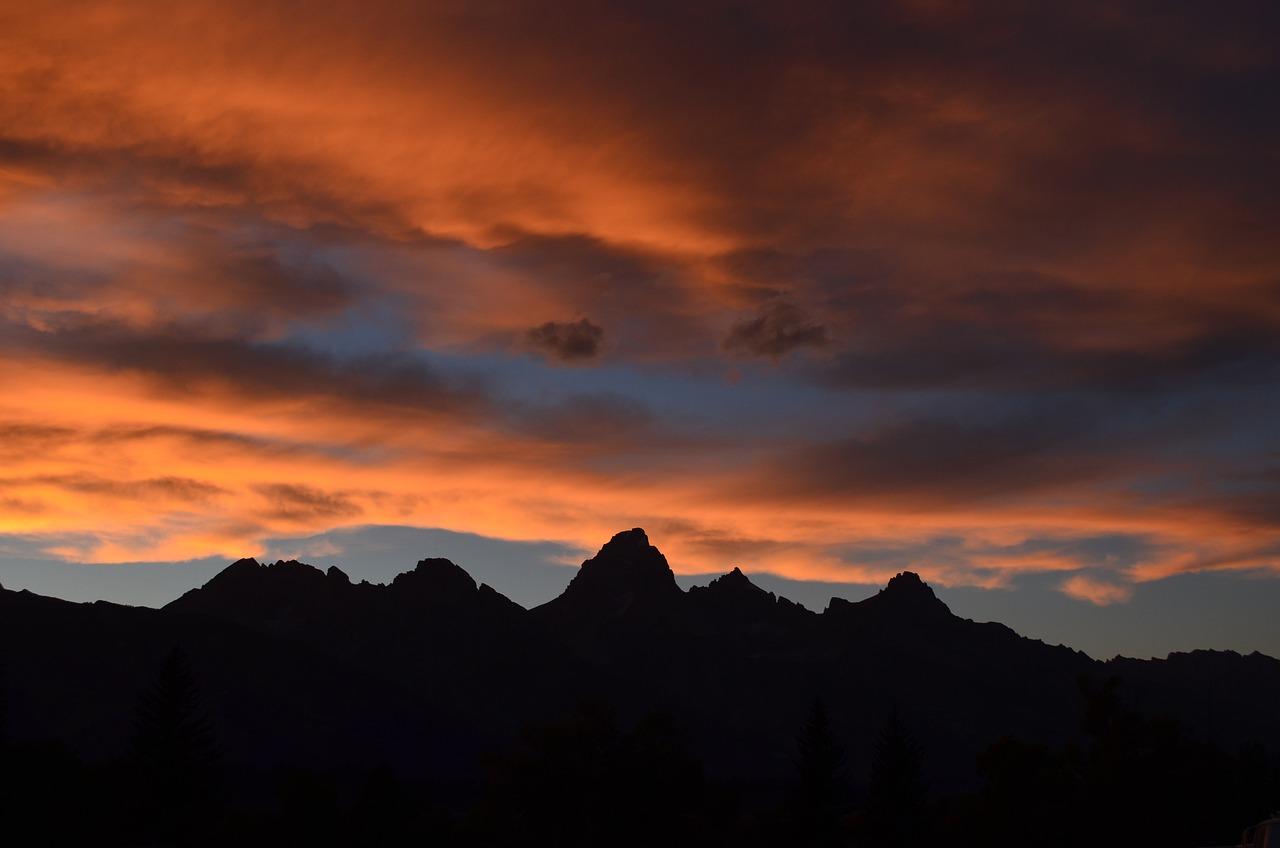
[(1097, 592), (268, 274)]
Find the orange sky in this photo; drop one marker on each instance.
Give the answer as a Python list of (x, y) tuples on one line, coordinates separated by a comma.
[(826, 292)]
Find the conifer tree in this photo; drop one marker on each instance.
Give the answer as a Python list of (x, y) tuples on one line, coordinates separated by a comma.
[(822, 784), (898, 812), (176, 755)]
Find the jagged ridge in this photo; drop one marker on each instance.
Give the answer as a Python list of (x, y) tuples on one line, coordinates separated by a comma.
[(737, 664)]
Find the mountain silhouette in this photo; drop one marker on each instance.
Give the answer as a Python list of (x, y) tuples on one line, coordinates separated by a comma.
[(74, 672), (432, 630), (627, 583), (306, 667)]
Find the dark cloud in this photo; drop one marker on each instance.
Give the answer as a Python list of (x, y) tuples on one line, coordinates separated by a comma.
[(185, 364), (158, 488), (778, 329), (21, 440), (1017, 331), (272, 270), (565, 341), (945, 462), (292, 502), (1007, 356), (23, 506)]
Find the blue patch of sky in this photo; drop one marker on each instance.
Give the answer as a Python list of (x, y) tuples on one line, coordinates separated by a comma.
[(369, 327), (813, 595), (1110, 551), (1214, 611), (764, 407), (25, 565), (529, 573), (1220, 611)]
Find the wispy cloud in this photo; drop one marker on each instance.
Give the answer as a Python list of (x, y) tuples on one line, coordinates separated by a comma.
[(1097, 592)]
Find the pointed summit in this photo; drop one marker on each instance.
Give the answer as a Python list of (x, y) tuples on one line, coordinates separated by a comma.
[(248, 590), (907, 594), (906, 584), (734, 584), (626, 565), (436, 578), (905, 599), (627, 574), (732, 600)]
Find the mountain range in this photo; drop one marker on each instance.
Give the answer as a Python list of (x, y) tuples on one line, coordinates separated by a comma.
[(303, 667)]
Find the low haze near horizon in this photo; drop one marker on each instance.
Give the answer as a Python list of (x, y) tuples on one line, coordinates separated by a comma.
[(826, 291)]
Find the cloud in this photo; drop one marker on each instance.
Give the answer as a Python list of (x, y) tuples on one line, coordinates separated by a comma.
[(940, 463), (20, 439), (181, 360), (306, 504), (170, 489), (575, 341), (778, 329), (1043, 288), (1098, 592)]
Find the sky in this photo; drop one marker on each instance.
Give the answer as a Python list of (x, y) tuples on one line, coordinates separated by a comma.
[(822, 290)]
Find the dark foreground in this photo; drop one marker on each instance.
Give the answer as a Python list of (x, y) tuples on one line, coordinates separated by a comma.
[(282, 705)]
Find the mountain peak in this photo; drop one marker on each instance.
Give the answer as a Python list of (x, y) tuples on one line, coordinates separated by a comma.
[(906, 591), (734, 596), (736, 583), (634, 539), (627, 570), (905, 597), (253, 589), (437, 577), (907, 582)]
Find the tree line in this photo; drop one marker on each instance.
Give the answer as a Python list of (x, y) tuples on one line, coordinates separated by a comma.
[(592, 780)]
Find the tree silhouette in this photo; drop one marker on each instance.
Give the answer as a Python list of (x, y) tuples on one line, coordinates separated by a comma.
[(387, 813), (1025, 786), (587, 782), (310, 811), (175, 755), (822, 784), (1148, 778), (898, 815), (4, 709)]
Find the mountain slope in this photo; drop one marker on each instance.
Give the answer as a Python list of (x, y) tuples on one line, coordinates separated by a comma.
[(75, 672), (306, 666)]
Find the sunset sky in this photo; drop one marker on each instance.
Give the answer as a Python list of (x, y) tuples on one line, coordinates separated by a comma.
[(826, 291)]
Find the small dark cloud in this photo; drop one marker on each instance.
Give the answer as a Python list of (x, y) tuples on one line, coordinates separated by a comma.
[(158, 488), (566, 341), (19, 440), (778, 329), (23, 506), (292, 502)]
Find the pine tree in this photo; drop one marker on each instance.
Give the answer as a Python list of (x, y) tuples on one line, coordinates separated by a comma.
[(176, 755), (898, 813), (822, 786)]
